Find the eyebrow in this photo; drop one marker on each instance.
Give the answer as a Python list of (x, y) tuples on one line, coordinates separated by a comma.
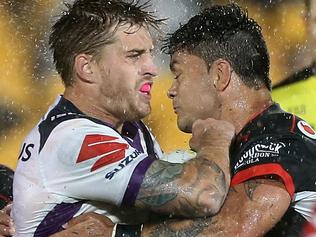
[(139, 51)]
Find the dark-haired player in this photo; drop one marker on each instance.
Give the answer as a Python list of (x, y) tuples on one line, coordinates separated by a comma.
[(221, 68)]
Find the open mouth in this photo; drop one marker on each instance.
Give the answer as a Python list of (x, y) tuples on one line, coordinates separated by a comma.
[(145, 88)]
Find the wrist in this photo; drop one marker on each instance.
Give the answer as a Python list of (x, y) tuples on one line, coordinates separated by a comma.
[(213, 153)]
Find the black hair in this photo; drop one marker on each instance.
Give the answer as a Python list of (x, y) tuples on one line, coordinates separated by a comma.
[(225, 31)]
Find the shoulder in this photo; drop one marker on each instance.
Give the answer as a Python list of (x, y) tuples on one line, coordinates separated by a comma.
[(279, 144), (276, 123), (73, 130)]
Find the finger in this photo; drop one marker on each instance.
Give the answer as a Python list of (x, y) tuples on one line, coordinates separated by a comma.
[(192, 144), (5, 231), (7, 208), (196, 124), (4, 218), (79, 219)]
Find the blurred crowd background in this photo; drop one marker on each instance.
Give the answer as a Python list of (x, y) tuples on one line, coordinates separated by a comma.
[(29, 83)]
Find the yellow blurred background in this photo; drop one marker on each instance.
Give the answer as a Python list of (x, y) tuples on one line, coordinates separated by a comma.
[(29, 84)]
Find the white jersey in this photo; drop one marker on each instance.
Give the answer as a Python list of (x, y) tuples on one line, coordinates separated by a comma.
[(71, 163)]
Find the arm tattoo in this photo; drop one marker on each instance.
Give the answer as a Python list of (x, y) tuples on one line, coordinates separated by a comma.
[(162, 184), (189, 228), (220, 179), (160, 173), (250, 187)]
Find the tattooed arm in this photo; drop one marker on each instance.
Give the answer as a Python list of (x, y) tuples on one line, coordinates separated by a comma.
[(198, 187), (250, 210)]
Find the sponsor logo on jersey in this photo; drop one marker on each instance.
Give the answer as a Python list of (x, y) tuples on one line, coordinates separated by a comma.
[(122, 164), (306, 129), (103, 147), (26, 151), (259, 151)]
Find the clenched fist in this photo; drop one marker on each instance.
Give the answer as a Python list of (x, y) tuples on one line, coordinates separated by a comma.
[(211, 133)]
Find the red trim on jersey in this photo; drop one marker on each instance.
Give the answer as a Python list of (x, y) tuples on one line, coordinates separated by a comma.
[(255, 115), (95, 145), (245, 138), (293, 123), (265, 169), (309, 230)]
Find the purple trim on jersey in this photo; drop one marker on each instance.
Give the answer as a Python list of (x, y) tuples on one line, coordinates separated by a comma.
[(64, 110), (53, 221), (137, 144), (132, 131), (129, 129), (136, 181)]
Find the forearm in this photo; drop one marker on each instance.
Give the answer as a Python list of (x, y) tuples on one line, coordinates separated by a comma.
[(175, 228), (198, 187), (250, 210), (194, 189)]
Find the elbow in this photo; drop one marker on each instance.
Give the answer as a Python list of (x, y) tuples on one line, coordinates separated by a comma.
[(208, 204), (211, 206)]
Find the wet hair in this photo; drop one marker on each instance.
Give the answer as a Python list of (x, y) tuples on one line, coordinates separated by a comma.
[(225, 31), (88, 25)]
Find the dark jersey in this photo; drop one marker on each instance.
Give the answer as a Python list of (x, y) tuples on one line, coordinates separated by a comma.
[(279, 144)]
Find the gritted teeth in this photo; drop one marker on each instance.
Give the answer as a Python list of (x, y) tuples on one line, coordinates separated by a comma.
[(145, 88)]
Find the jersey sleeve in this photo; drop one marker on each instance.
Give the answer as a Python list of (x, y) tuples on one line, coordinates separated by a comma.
[(94, 162), (285, 157)]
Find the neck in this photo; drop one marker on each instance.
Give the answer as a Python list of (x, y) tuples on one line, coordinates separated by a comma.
[(245, 106), (89, 106)]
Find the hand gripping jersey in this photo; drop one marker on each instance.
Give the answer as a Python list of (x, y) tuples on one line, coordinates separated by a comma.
[(280, 144), (71, 163)]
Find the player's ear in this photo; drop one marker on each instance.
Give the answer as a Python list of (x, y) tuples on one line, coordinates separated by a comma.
[(223, 72), (82, 67)]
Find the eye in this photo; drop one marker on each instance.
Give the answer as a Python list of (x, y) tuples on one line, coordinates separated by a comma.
[(134, 55), (176, 77)]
